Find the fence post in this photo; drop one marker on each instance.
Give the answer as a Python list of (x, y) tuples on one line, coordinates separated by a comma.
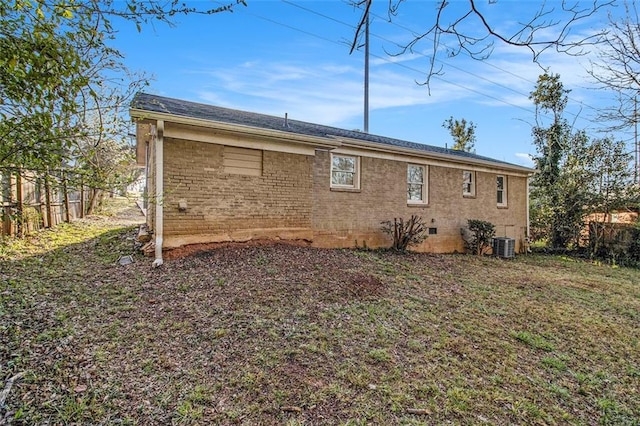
[(19, 206), (9, 206), (41, 213), (65, 194)]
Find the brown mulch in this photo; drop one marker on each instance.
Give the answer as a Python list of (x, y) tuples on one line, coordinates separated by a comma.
[(191, 249)]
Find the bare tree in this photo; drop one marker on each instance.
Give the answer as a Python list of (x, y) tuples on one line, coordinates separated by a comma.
[(413, 231), (467, 27), (618, 68)]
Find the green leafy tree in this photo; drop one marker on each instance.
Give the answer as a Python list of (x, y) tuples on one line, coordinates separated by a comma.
[(612, 187), (462, 132), (62, 86), (57, 66), (551, 143), (104, 161), (576, 175), (44, 74)]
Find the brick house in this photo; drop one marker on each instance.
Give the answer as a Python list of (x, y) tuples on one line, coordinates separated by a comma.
[(217, 174)]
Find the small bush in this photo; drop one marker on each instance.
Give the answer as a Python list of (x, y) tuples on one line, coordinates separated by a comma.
[(633, 250), (621, 247), (481, 232), (404, 234)]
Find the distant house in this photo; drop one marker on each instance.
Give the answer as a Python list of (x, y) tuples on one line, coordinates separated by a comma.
[(216, 174), (613, 229)]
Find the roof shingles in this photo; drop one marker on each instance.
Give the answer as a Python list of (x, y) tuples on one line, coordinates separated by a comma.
[(154, 103)]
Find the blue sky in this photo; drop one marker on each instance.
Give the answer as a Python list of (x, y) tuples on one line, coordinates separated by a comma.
[(292, 56)]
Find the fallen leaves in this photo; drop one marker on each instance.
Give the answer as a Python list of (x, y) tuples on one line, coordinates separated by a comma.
[(7, 387), (260, 333), (80, 388)]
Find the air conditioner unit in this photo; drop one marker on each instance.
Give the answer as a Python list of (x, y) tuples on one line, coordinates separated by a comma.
[(504, 247)]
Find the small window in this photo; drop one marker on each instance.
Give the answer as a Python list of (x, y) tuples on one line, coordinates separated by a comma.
[(345, 171), (468, 183), (501, 184), (433, 231), (242, 161), (416, 184)]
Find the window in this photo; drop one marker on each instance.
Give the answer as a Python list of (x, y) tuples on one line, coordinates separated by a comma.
[(416, 184), (345, 171), (242, 161), (468, 183), (501, 184)]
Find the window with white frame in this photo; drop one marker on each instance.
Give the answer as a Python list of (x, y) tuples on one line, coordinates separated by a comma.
[(345, 171), (468, 183), (501, 186), (416, 184)]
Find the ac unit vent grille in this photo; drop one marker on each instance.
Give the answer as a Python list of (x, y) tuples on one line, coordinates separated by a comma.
[(504, 247)]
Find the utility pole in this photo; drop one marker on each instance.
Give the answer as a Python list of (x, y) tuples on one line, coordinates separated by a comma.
[(366, 72), (636, 173), (364, 22)]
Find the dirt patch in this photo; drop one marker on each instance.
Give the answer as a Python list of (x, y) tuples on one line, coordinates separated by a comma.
[(364, 286), (191, 249)]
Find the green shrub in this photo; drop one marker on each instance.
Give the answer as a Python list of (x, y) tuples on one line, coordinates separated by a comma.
[(481, 232)]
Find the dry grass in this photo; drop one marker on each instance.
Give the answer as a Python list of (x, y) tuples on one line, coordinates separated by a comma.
[(280, 334)]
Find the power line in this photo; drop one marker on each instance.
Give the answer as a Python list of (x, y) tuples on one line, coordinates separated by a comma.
[(402, 65), (489, 64), (417, 53), (387, 59), (511, 89)]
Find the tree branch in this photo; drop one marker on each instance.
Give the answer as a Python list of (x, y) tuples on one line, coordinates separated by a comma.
[(475, 34)]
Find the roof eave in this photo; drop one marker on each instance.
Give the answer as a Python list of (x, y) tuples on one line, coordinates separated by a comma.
[(355, 143), (329, 142), (320, 142)]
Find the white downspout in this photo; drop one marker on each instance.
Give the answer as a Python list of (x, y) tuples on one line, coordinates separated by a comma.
[(159, 190), (528, 238)]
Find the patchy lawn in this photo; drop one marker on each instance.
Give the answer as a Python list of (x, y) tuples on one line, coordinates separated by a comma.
[(278, 334)]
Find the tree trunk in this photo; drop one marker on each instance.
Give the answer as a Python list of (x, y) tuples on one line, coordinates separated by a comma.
[(65, 194), (94, 200), (82, 200), (47, 202)]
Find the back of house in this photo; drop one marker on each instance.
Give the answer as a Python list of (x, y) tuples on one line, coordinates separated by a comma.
[(216, 174)]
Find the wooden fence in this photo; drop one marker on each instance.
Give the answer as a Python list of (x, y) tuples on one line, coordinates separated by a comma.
[(611, 237), (30, 202)]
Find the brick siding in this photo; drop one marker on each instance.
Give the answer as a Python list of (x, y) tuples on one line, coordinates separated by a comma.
[(292, 199), (347, 219), (222, 206)]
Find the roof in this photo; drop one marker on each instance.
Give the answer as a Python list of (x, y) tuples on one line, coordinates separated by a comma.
[(178, 107)]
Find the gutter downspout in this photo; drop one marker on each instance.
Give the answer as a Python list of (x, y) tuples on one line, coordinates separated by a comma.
[(159, 139), (528, 238)]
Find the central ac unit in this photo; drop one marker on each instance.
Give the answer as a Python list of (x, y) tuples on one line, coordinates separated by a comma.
[(504, 247)]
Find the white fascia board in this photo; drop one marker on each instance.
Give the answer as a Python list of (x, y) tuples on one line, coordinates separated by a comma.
[(238, 129), (340, 144), (240, 140), (369, 149)]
